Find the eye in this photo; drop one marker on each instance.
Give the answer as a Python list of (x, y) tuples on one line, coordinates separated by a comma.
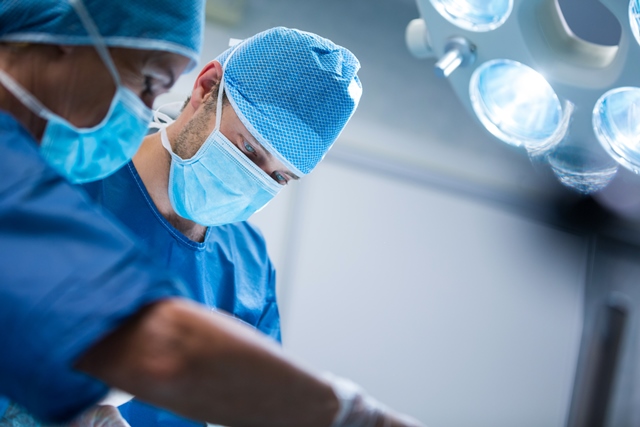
[(147, 94), (249, 148), (280, 178), (148, 86)]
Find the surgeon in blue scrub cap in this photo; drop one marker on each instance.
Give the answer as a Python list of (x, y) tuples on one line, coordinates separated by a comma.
[(76, 82), (290, 95), (296, 91)]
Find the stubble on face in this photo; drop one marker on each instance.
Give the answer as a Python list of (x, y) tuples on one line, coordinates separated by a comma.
[(196, 131)]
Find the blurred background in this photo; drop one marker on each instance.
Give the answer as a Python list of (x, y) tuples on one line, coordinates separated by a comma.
[(427, 261)]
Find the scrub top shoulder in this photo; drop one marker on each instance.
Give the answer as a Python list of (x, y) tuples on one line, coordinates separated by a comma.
[(230, 270), (69, 275)]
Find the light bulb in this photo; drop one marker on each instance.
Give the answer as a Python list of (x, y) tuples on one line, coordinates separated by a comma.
[(516, 104), (475, 15), (616, 123), (634, 18)]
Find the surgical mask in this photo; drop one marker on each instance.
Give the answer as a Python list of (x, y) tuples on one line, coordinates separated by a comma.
[(89, 154), (219, 184)]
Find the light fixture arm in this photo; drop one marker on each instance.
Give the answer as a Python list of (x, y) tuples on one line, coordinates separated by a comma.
[(459, 52)]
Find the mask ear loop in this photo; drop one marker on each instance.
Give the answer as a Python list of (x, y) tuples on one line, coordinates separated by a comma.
[(160, 119), (221, 87), (219, 104), (96, 38), (164, 139), (29, 101)]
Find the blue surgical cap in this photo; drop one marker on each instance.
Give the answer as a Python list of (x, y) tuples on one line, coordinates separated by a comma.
[(165, 25), (294, 91)]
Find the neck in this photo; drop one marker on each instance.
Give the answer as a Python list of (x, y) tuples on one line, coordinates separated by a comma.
[(153, 164)]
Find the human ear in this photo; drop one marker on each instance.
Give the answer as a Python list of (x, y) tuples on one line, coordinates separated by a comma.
[(209, 76)]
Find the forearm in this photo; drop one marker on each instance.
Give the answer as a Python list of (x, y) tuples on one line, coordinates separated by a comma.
[(208, 367)]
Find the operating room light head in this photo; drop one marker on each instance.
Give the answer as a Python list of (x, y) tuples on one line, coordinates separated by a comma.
[(515, 103), (616, 123), (475, 15)]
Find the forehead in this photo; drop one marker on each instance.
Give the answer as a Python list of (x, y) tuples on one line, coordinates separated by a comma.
[(162, 62)]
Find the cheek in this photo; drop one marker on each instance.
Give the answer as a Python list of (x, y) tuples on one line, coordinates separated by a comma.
[(134, 83), (89, 97), (148, 99), (98, 103)]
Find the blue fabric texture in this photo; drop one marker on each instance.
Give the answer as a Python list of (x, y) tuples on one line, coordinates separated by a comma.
[(140, 414), (294, 91), (4, 404), (163, 25), (229, 271), (69, 277)]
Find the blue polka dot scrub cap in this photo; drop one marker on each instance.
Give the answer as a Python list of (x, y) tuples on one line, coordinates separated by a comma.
[(165, 25), (294, 91)]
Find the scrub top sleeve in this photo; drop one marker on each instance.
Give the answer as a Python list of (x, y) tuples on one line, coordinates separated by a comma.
[(69, 275), (4, 404)]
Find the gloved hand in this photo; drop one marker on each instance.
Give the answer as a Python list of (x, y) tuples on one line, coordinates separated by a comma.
[(97, 416), (357, 409), (100, 416)]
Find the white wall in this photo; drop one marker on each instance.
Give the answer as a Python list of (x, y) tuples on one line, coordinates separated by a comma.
[(452, 310)]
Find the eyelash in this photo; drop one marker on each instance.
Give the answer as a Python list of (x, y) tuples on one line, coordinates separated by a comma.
[(249, 148), (278, 175), (148, 88)]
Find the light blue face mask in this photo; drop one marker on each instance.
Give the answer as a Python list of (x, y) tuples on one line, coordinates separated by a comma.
[(219, 184), (90, 154)]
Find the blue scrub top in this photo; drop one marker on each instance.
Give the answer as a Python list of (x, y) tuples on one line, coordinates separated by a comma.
[(4, 405), (229, 271), (68, 276)]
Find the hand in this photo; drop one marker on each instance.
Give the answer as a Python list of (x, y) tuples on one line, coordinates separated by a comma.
[(393, 419), (15, 416), (100, 416), (357, 409), (97, 416)]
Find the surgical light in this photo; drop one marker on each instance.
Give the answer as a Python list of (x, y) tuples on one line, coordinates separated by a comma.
[(572, 103), (515, 103), (634, 16), (475, 15), (581, 168), (616, 123)]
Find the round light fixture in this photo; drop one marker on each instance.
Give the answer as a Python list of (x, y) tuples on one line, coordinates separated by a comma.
[(475, 15), (516, 104), (616, 123), (582, 169), (634, 18)]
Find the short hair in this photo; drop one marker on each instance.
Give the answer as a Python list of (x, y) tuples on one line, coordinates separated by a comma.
[(214, 95)]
